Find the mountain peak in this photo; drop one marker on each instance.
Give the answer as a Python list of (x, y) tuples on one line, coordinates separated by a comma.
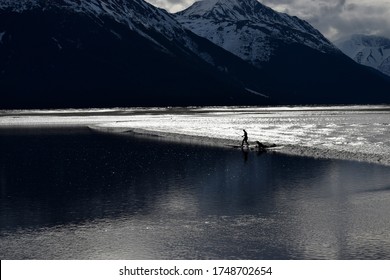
[(226, 9), (250, 29)]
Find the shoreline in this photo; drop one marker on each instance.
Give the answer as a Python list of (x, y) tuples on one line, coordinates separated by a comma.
[(288, 149), (337, 132)]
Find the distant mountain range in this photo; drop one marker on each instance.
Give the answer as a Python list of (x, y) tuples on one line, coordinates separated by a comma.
[(104, 53), (249, 29), (373, 51)]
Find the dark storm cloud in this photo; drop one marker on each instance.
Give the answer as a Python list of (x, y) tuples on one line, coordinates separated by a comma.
[(334, 18)]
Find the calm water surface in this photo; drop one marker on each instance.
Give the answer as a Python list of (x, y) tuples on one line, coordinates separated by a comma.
[(78, 195)]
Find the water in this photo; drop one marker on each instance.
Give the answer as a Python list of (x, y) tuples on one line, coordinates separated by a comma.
[(343, 132), (352, 132), (78, 195)]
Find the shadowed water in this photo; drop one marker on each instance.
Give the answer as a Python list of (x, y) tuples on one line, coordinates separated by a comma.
[(78, 195)]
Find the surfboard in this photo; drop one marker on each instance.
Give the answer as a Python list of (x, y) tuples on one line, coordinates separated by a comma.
[(255, 147)]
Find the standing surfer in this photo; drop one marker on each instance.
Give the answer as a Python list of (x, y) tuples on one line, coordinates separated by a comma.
[(245, 140)]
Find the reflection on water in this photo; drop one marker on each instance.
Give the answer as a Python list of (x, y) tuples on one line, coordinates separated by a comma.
[(86, 196)]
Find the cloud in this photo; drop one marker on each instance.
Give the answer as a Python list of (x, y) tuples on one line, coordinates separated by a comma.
[(339, 18), (172, 5), (334, 18)]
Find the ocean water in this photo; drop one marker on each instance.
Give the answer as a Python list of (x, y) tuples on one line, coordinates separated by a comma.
[(75, 194), (347, 132), (350, 132)]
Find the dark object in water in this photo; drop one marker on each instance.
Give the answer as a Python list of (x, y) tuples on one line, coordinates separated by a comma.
[(258, 147)]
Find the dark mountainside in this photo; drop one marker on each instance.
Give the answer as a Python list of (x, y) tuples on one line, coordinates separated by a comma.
[(52, 56), (91, 53), (311, 77), (298, 65)]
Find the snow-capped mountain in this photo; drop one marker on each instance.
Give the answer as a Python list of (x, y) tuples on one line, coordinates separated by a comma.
[(373, 51), (111, 53), (139, 16), (297, 64), (90, 53), (249, 29)]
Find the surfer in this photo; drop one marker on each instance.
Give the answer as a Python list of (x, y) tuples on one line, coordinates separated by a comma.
[(245, 140), (260, 146)]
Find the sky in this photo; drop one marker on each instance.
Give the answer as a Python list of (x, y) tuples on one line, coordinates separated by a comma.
[(336, 19)]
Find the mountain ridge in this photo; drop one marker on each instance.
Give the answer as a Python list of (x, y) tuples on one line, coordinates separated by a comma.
[(70, 53), (256, 27), (368, 50), (295, 60), (122, 11), (67, 56)]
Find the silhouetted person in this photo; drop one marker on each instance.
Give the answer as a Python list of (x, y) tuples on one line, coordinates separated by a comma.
[(260, 148), (245, 140)]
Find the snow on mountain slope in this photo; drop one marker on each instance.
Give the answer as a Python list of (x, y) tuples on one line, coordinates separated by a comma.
[(71, 53), (373, 51), (139, 15), (249, 29)]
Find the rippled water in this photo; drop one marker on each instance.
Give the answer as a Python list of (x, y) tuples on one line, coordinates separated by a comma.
[(78, 195), (344, 132), (362, 132)]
